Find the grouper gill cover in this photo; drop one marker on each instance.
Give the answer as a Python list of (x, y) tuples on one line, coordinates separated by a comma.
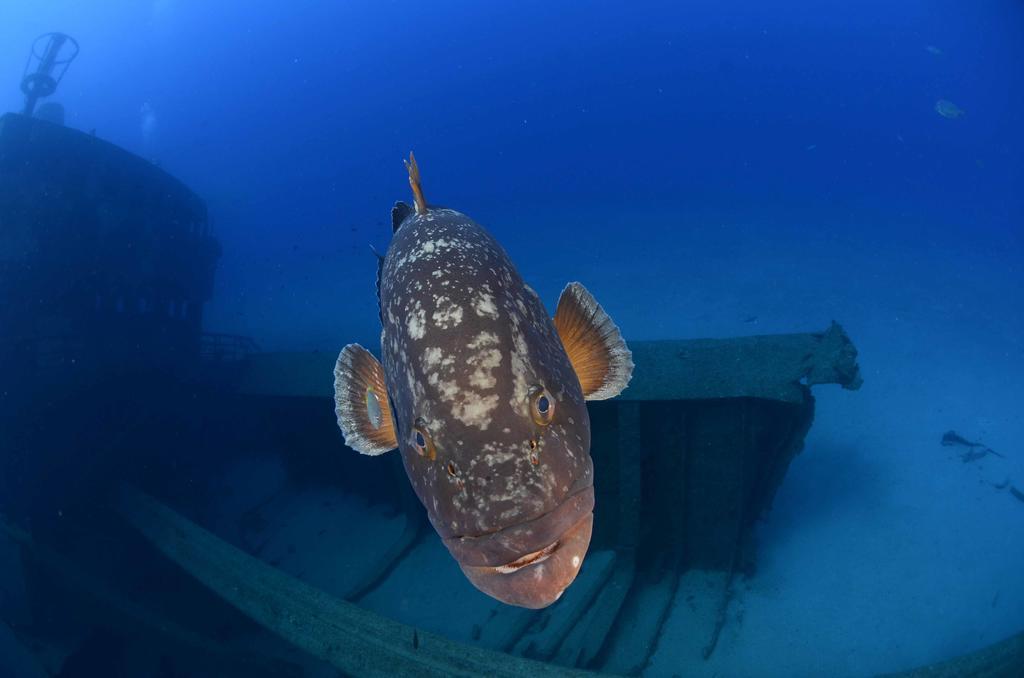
[(484, 394)]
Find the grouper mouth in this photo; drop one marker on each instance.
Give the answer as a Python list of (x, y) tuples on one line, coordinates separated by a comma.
[(529, 559), (532, 563)]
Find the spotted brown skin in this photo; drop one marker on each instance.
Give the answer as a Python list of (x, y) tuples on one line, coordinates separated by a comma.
[(467, 347)]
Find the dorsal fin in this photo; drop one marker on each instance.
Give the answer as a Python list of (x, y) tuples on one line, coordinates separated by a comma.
[(416, 184), (399, 213), (380, 275)]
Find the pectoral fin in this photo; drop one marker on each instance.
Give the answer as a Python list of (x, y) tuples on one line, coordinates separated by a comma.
[(361, 402), (598, 353)]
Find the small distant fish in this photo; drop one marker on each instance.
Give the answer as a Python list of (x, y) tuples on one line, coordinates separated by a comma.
[(811, 147), (947, 109), (484, 394), (932, 49)]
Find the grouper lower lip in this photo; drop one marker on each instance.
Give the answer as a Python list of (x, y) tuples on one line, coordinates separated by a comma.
[(509, 544), (538, 579)]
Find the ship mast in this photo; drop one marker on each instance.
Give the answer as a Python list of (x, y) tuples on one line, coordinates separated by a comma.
[(45, 67)]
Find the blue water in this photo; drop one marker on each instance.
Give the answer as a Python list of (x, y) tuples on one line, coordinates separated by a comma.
[(291, 119), (707, 169)]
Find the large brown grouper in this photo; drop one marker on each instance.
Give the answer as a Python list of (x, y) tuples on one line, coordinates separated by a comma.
[(485, 397)]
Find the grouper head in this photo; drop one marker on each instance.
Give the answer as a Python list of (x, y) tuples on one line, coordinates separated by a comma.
[(485, 396)]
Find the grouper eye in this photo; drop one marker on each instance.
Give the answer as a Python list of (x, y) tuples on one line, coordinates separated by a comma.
[(542, 406), (421, 440)]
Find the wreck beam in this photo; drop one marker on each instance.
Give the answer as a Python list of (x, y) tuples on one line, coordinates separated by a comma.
[(346, 636)]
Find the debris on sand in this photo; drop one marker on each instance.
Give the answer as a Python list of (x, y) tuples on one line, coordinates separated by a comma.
[(973, 452)]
